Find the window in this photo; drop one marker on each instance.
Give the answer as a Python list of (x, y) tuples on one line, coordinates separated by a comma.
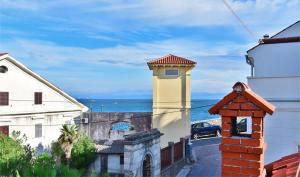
[(4, 98), (122, 159), (38, 97), (4, 130), (38, 130), (3, 69), (205, 124), (242, 126), (171, 72)]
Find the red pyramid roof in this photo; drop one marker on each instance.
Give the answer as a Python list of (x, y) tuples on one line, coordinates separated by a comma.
[(243, 89), (172, 59)]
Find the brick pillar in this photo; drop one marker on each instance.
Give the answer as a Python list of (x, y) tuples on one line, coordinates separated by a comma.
[(242, 153)]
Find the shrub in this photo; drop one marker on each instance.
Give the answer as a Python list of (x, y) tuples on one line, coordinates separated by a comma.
[(43, 165), (83, 152), (14, 157), (65, 171)]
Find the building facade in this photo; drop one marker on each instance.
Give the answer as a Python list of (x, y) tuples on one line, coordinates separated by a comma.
[(171, 97), (32, 105), (275, 63)]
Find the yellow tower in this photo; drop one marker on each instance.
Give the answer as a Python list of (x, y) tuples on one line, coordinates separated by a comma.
[(171, 97)]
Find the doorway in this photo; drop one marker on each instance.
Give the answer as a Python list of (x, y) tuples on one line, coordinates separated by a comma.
[(147, 166)]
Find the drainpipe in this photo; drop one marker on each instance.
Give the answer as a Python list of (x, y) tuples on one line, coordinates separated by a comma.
[(250, 61)]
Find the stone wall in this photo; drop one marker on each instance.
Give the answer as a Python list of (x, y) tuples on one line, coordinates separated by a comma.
[(100, 123), (136, 147)]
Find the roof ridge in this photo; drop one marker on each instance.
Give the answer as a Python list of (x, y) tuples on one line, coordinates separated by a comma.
[(171, 59)]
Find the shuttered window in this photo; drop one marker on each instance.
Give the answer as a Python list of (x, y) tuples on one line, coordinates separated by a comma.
[(38, 97), (38, 130), (4, 98), (4, 130)]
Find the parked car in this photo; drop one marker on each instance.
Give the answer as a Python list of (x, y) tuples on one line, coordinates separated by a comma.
[(203, 129), (242, 126)]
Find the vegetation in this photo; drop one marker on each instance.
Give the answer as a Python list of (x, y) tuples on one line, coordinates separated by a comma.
[(83, 152), (69, 135), (70, 156), (13, 155)]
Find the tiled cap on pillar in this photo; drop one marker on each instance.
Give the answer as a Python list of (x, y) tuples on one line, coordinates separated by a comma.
[(242, 147)]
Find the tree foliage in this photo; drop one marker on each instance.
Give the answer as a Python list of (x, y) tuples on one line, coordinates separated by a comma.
[(69, 136), (13, 155), (83, 152)]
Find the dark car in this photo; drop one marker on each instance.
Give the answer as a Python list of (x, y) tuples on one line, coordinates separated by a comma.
[(202, 129)]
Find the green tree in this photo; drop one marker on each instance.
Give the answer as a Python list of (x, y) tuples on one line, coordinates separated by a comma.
[(83, 152), (69, 136), (14, 157)]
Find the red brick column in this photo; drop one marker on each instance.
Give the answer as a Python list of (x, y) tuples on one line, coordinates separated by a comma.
[(242, 155)]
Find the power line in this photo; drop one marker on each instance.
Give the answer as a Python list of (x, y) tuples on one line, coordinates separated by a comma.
[(239, 19), (131, 117)]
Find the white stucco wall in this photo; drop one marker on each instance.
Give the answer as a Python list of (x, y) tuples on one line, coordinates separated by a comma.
[(113, 165), (22, 114), (282, 133), (21, 87), (276, 60)]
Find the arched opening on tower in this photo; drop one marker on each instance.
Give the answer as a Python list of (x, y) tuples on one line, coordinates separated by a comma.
[(147, 172)]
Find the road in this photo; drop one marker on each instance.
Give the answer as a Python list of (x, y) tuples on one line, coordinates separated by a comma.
[(208, 158)]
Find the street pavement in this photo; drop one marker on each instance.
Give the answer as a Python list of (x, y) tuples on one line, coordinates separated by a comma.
[(207, 156)]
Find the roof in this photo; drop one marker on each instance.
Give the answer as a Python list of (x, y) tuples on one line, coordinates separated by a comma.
[(3, 54), (286, 166), (171, 59), (110, 147), (274, 37), (242, 89), (6, 56), (281, 40)]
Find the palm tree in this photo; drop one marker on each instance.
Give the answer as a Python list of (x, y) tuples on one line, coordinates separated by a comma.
[(69, 135)]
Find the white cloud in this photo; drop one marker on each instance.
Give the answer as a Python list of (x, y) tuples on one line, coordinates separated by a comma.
[(137, 54), (261, 16), (217, 67)]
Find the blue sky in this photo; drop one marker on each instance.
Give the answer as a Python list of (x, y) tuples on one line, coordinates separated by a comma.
[(99, 49)]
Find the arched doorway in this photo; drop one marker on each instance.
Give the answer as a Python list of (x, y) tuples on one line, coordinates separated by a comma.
[(147, 166)]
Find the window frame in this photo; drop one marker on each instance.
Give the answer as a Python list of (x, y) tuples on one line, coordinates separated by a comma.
[(171, 75), (122, 159), (38, 127), (38, 98), (4, 102)]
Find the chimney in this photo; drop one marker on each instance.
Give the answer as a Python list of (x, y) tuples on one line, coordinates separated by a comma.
[(266, 36), (242, 151)]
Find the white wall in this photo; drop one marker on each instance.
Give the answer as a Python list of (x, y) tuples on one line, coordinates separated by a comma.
[(114, 164), (21, 88), (279, 88), (274, 60), (282, 134), (22, 114)]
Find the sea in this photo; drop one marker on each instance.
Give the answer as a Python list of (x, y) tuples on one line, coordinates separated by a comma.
[(199, 110)]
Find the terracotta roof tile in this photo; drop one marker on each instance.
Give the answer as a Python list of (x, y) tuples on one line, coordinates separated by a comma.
[(172, 59), (284, 167), (243, 89)]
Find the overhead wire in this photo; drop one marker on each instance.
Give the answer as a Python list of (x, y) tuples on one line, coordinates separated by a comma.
[(239, 19)]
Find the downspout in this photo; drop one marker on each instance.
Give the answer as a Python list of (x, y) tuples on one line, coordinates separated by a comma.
[(250, 61)]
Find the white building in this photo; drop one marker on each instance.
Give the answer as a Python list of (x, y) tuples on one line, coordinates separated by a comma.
[(32, 105), (275, 76)]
